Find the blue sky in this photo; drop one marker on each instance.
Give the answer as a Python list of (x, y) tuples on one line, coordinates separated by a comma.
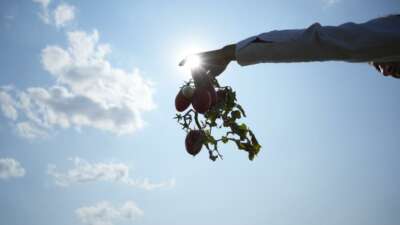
[(87, 135)]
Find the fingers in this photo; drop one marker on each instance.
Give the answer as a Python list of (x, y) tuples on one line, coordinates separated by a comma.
[(388, 69), (212, 62), (208, 57), (182, 62), (384, 70), (396, 72), (376, 67)]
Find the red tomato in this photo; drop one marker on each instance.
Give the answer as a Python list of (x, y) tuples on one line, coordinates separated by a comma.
[(181, 103), (188, 91), (213, 94), (194, 142), (201, 100)]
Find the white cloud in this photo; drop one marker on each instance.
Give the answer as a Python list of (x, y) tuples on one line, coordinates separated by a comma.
[(88, 172), (7, 104), (88, 92), (44, 13), (60, 16), (55, 58), (63, 14), (10, 168), (104, 213), (84, 172), (43, 3), (328, 3), (29, 130)]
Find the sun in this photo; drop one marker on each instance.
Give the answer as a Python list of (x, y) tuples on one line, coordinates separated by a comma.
[(192, 62)]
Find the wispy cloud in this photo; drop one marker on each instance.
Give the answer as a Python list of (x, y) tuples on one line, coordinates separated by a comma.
[(329, 3), (85, 172), (10, 168), (104, 213), (43, 3), (9, 17), (44, 13), (29, 130)]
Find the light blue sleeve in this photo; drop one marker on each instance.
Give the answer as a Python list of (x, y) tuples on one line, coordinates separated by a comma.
[(376, 40)]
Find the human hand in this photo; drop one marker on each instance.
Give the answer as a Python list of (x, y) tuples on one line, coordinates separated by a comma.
[(388, 68), (215, 62)]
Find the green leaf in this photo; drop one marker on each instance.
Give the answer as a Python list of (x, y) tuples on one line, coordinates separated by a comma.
[(253, 138), (212, 116), (243, 127), (242, 131), (210, 138), (241, 109), (251, 156), (240, 145), (236, 114), (231, 98), (256, 148)]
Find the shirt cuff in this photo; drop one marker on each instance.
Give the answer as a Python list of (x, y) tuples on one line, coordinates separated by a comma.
[(240, 57)]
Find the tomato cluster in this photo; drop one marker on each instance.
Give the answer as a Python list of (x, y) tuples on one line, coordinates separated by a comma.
[(217, 106), (202, 96)]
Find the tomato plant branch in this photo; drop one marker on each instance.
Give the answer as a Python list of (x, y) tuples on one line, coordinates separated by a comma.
[(196, 120), (226, 112)]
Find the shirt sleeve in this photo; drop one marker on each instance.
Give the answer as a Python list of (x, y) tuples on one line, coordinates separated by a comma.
[(377, 40)]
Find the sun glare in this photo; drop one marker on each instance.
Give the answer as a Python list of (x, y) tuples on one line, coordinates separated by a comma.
[(192, 62)]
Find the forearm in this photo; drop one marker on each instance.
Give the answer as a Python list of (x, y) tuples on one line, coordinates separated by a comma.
[(229, 52)]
